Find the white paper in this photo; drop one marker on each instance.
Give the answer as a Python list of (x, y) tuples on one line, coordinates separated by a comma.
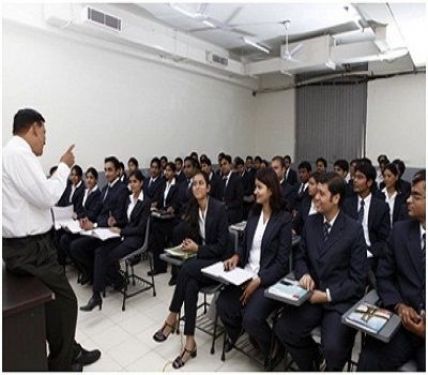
[(104, 234), (369, 254), (237, 276), (70, 225), (239, 227), (62, 213)]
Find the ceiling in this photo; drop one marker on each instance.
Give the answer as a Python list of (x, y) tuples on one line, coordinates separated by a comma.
[(225, 24)]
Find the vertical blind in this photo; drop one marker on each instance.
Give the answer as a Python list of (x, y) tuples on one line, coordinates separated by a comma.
[(331, 122)]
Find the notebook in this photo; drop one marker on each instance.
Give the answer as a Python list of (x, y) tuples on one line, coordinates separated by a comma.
[(177, 252), (369, 318), (237, 276), (288, 291)]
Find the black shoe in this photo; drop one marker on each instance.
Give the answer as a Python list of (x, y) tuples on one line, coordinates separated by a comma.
[(86, 357), (172, 281), (95, 301), (228, 345), (180, 361), (155, 272), (76, 367)]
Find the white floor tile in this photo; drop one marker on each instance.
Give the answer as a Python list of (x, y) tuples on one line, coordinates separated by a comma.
[(104, 364), (151, 361), (128, 351), (110, 338)]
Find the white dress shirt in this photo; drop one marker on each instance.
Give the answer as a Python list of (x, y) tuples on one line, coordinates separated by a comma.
[(422, 235), (253, 264), (110, 185), (73, 189), (133, 202), (367, 201), (227, 178), (86, 194), (167, 189), (202, 220), (312, 210), (391, 203), (28, 195)]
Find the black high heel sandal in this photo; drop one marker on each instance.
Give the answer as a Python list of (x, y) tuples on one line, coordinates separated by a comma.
[(178, 362), (159, 336)]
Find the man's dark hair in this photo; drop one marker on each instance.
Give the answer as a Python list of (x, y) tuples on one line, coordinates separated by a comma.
[(163, 158), (382, 158), (178, 159), (249, 157), (239, 161), (114, 160), (121, 166), (134, 161), (342, 164), (206, 161), (418, 177), (220, 155), (367, 170), (228, 158), (194, 162), (335, 183), (78, 170), (322, 160), (258, 158), (156, 161), (24, 118), (93, 172), (305, 165), (287, 157), (366, 160), (280, 159)]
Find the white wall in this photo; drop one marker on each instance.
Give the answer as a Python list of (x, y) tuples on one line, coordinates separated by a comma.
[(275, 129), (112, 103), (396, 119)]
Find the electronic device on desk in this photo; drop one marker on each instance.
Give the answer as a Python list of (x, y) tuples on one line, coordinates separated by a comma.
[(288, 291)]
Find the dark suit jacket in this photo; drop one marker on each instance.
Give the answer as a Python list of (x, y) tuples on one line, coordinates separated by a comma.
[(302, 214), (179, 178), (292, 177), (92, 206), (233, 197), (288, 193), (248, 183), (153, 191), (184, 195), (216, 186), (135, 229), (298, 197), (114, 203), (75, 200), (378, 222), (400, 274), (275, 248), (400, 199), (339, 264), (216, 232), (172, 199)]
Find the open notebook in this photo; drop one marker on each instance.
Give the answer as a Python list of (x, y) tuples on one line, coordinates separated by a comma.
[(288, 291), (237, 276)]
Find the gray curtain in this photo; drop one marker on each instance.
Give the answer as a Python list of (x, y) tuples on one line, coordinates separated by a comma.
[(331, 122)]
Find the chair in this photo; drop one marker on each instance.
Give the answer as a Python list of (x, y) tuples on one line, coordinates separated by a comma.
[(129, 262)]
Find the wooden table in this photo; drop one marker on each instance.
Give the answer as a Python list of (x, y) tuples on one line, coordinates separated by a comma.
[(24, 327)]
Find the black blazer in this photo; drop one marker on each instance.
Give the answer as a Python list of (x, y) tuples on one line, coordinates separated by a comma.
[(298, 197), (403, 186), (233, 196), (339, 264), (216, 186), (216, 233), (180, 177), (184, 194), (275, 248), (248, 183), (114, 203), (302, 214), (153, 191), (172, 199), (135, 229), (288, 193), (378, 221), (76, 198), (400, 274), (400, 199), (92, 206), (292, 177)]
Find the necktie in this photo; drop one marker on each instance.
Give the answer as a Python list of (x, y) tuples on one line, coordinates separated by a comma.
[(107, 191), (150, 182), (361, 212), (325, 231), (224, 184)]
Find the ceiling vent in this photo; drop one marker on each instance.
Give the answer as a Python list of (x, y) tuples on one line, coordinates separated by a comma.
[(97, 17), (212, 58)]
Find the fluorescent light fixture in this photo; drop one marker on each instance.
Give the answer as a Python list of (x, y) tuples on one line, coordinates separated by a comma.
[(209, 23), (394, 54), (331, 65), (184, 11), (255, 45)]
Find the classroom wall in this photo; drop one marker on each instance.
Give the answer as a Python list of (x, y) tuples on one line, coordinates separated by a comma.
[(111, 103), (396, 119), (275, 124)]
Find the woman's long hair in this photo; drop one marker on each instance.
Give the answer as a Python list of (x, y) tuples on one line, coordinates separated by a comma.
[(394, 170), (191, 215), (268, 177)]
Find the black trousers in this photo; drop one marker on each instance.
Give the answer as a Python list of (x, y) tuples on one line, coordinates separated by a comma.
[(189, 281), (294, 330), (37, 256), (161, 232), (82, 252), (65, 240), (252, 317), (106, 258), (404, 346)]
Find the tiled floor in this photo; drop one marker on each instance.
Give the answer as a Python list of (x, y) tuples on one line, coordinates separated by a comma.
[(125, 337)]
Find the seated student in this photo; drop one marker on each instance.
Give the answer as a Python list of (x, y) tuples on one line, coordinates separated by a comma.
[(215, 180), (403, 185), (232, 192), (190, 167), (219, 157), (153, 185), (74, 191), (341, 167), (383, 162), (122, 173), (249, 166), (112, 214), (132, 165), (401, 288), (321, 165), (264, 164), (370, 211), (247, 179), (206, 234), (390, 193), (353, 163), (161, 229), (307, 205), (179, 174), (332, 263), (290, 174), (132, 237), (305, 170), (265, 250), (257, 163), (287, 191), (194, 155), (89, 207), (163, 162), (202, 157)]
